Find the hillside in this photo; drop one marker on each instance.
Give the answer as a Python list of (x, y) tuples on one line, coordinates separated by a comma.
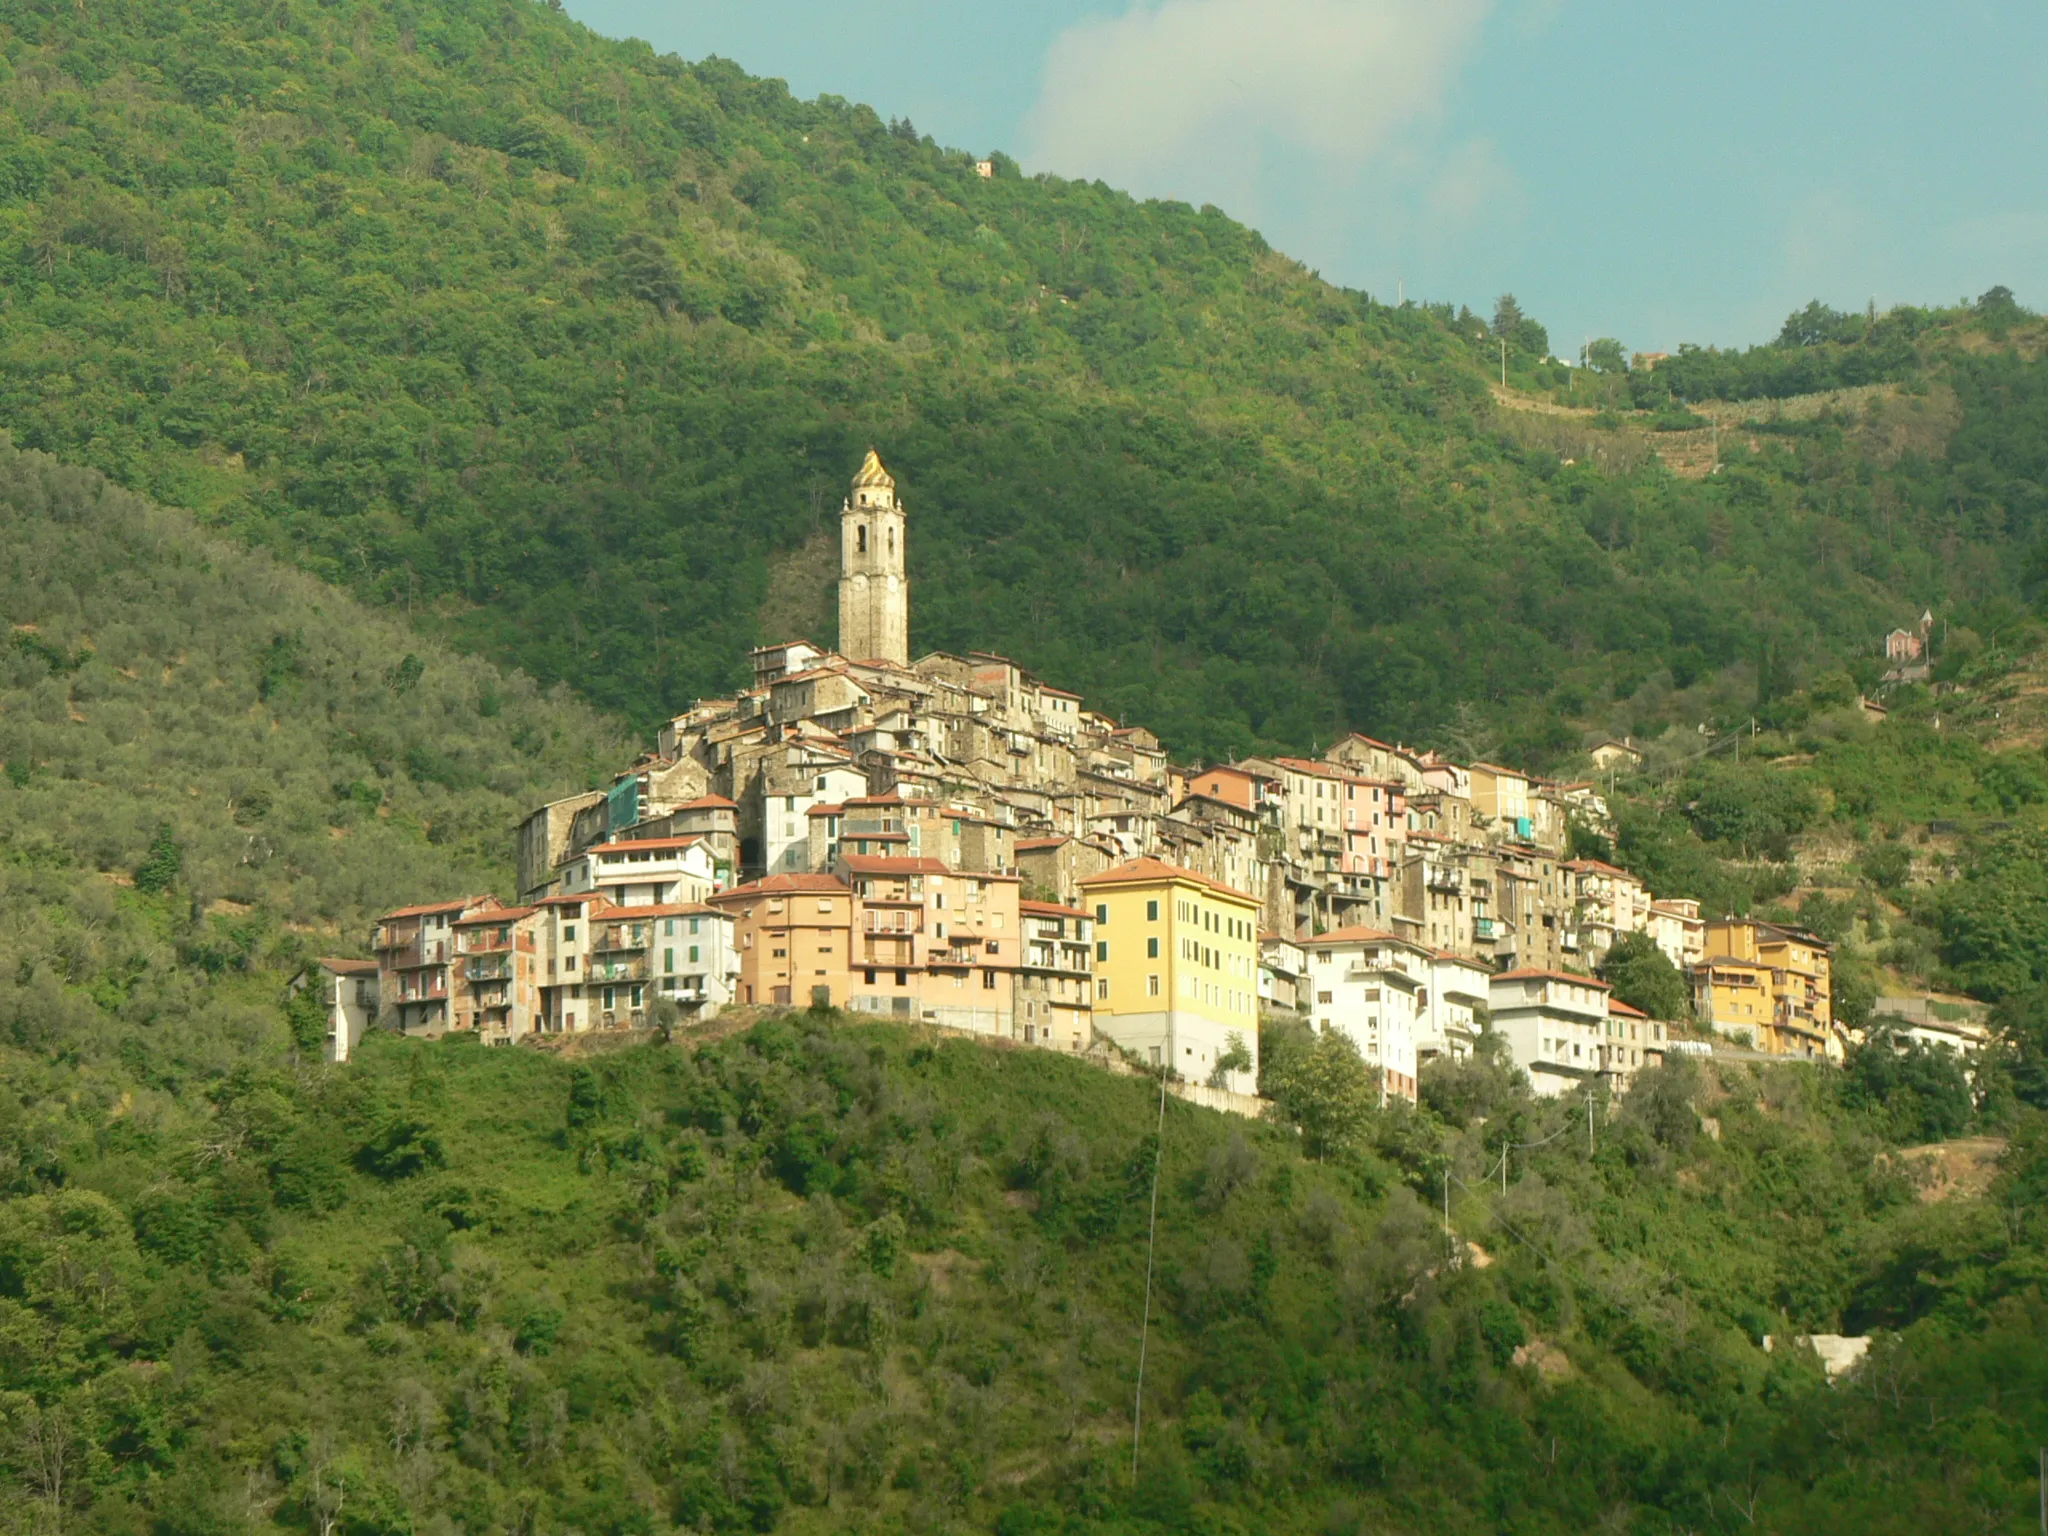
[(822, 1277), (214, 765), (563, 348)]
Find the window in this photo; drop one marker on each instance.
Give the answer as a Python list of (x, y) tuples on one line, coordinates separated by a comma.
[(1151, 986), (1102, 988), (1151, 911), (1322, 997), (668, 960), (903, 978), (693, 925), (860, 538), (995, 946), (824, 905), (1151, 949), (693, 954), (569, 934), (988, 981), (1101, 951), (1101, 912), (868, 978)]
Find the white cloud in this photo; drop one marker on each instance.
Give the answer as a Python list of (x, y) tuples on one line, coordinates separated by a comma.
[(1205, 99)]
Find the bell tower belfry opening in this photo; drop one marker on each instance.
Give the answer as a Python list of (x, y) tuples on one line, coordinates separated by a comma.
[(874, 592)]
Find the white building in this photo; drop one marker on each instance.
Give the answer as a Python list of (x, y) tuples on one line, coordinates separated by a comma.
[(1370, 985), (655, 871), (1283, 973), (348, 988), (694, 961), (786, 818), (1447, 1021), (1555, 1024)]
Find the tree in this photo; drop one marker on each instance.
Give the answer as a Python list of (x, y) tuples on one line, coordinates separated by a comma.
[(1644, 977), (1917, 1092), (1606, 355), (2020, 1022), (1323, 1087), (1525, 337), (160, 866), (1236, 1057)]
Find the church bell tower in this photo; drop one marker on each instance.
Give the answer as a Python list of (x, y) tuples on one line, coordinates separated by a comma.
[(874, 592)]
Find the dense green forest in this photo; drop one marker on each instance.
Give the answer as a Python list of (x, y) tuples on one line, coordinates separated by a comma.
[(823, 1276), (556, 344), (817, 1276)]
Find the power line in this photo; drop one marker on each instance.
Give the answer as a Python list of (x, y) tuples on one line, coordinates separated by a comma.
[(1151, 1247)]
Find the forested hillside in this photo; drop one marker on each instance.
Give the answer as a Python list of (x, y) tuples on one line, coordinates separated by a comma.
[(556, 344), (215, 766), (826, 1277)]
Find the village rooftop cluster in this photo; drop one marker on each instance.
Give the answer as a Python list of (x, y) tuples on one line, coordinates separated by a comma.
[(952, 841)]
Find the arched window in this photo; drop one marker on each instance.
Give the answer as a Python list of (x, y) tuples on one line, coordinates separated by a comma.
[(892, 542), (860, 538)]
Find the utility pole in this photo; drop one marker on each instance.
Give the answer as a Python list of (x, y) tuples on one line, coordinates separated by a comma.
[(1589, 1123), (1151, 1247), (1503, 363), (1450, 1238), (1504, 1165)]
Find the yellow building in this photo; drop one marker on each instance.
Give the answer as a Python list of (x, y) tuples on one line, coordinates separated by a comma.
[(1770, 983), (1176, 968)]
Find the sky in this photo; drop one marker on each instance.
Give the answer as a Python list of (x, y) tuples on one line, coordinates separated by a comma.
[(1652, 172)]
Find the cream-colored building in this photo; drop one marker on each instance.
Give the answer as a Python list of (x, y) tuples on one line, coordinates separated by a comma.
[(348, 990)]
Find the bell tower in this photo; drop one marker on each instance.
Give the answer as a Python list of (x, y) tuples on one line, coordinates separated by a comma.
[(874, 592)]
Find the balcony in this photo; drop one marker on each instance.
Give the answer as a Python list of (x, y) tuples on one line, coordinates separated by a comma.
[(494, 968), (617, 970), (1488, 928), (891, 952), (621, 940)]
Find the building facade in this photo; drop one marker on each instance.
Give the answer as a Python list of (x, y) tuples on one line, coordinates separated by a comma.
[(1176, 969), (1554, 1024), (1371, 986)]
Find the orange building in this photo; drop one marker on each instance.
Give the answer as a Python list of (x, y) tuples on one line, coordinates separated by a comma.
[(794, 938)]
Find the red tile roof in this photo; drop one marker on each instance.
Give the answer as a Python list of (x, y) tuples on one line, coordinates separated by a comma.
[(615, 913), (1032, 844), (493, 915), (1616, 1005), (457, 905), (708, 803), (349, 967), (1049, 909), (1148, 871), (649, 844), (886, 864), (784, 885), (1358, 935), (1537, 973)]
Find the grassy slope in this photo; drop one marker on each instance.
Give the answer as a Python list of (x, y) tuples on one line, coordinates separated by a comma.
[(556, 342)]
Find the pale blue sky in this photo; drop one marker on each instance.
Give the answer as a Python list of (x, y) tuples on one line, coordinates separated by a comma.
[(1655, 172)]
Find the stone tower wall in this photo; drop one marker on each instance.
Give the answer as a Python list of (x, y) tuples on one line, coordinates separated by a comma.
[(874, 589)]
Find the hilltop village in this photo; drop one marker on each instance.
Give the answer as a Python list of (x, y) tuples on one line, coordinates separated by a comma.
[(949, 839)]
